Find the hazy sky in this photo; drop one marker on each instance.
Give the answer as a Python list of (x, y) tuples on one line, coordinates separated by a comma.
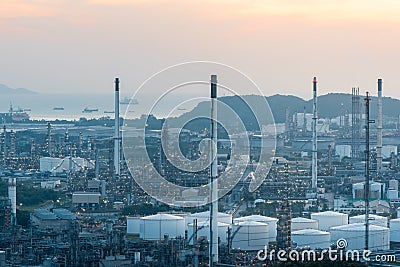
[(76, 46)]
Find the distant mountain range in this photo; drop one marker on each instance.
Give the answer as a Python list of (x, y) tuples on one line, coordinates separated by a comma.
[(329, 106), (5, 90)]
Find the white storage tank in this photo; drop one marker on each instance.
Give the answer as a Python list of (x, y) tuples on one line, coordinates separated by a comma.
[(376, 190), (328, 219), (392, 194), (155, 227), (312, 238), (205, 216), (203, 230), (358, 190), (394, 230), (250, 235), (355, 236), (133, 225), (394, 184), (303, 223), (373, 219), (272, 223)]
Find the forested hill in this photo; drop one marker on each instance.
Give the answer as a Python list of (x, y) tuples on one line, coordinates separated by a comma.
[(329, 106)]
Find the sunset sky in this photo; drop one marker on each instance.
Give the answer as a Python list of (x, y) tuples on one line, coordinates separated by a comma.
[(80, 46)]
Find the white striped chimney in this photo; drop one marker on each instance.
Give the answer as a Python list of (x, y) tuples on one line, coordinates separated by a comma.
[(12, 195), (314, 137), (116, 130), (213, 176)]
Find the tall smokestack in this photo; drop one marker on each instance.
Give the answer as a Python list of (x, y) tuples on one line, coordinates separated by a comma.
[(379, 145), (314, 137), (49, 141), (116, 129), (13, 148), (12, 195), (3, 146), (287, 122), (213, 176)]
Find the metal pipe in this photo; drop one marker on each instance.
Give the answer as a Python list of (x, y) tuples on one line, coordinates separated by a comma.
[(213, 176), (314, 137), (116, 130)]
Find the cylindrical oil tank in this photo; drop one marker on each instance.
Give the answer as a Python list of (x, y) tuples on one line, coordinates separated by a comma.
[(354, 234), (328, 219), (2, 258), (133, 225), (250, 235), (393, 194), (272, 223), (155, 227), (394, 184), (312, 238), (203, 230), (205, 216), (373, 219), (394, 226), (303, 223)]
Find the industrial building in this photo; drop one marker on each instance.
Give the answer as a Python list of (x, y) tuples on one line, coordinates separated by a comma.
[(315, 193)]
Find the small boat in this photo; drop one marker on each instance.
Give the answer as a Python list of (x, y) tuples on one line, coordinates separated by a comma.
[(89, 110), (181, 108), (58, 108), (109, 112)]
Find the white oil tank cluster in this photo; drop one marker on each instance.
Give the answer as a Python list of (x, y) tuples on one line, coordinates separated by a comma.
[(250, 235), (373, 219), (394, 226), (155, 227), (300, 223), (354, 234), (328, 219), (205, 216), (271, 222), (311, 238), (203, 230)]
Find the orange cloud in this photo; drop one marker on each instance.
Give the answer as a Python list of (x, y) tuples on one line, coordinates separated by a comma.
[(19, 8), (318, 9)]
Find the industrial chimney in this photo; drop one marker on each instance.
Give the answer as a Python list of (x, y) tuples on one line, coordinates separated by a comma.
[(116, 130), (314, 137), (12, 195), (213, 176), (379, 145)]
